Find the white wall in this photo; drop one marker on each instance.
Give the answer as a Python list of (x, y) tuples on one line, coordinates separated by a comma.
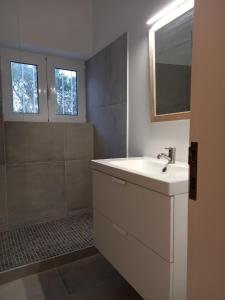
[(111, 19), (54, 26)]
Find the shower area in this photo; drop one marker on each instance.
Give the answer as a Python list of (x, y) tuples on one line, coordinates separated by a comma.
[(45, 164), (45, 174), (45, 195)]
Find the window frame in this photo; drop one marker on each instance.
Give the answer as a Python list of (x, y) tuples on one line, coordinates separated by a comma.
[(72, 65), (46, 86), (23, 57)]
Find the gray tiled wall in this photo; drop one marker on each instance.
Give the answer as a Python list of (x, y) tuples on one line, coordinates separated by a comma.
[(47, 169), (2, 195), (78, 182), (2, 166), (2, 156), (106, 75), (35, 191)]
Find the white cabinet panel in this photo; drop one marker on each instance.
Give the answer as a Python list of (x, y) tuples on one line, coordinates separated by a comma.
[(147, 272), (145, 214)]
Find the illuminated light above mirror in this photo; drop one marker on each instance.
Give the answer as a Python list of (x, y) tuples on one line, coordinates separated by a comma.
[(172, 11), (170, 49)]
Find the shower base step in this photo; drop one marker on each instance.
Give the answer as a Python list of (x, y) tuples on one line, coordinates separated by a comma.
[(37, 247)]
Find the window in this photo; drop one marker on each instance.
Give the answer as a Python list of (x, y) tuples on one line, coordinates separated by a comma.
[(66, 92), (42, 88), (24, 88)]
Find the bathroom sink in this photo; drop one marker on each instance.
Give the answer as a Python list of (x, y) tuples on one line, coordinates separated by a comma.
[(148, 172), (153, 167)]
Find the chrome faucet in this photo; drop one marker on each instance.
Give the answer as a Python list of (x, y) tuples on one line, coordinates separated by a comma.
[(171, 157)]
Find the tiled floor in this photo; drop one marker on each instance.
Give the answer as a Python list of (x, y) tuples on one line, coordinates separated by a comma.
[(34, 243), (91, 278)]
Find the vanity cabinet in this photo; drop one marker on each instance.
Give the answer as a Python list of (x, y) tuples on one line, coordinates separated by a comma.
[(143, 234)]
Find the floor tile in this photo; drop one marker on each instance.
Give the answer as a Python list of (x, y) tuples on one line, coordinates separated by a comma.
[(38, 242), (87, 274), (91, 278)]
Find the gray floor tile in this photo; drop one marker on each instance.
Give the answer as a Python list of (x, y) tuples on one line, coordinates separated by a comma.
[(87, 274), (91, 278), (94, 278), (114, 289), (44, 286), (22, 289)]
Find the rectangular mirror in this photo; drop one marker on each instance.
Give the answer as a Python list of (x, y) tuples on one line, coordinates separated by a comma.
[(170, 41)]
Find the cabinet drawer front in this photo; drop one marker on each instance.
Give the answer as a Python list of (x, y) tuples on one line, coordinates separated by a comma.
[(147, 272), (145, 214), (109, 194)]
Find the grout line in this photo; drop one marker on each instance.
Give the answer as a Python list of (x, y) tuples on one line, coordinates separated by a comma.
[(106, 106), (46, 162)]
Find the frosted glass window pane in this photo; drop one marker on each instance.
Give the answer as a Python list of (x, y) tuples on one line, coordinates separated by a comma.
[(66, 92), (25, 88)]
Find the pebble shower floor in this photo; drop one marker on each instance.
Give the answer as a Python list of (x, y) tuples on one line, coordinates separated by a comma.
[(37, 242)]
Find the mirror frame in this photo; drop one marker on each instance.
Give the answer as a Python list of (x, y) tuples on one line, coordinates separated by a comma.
[(164, 20)]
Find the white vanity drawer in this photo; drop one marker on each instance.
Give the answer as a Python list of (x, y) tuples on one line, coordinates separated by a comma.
[(147, 272), (145, 214)]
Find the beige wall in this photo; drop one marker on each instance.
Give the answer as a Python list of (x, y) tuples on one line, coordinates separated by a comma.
[(47, 168), (206, 256)]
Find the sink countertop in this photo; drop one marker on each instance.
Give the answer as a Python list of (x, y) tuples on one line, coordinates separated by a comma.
[(147, 172)]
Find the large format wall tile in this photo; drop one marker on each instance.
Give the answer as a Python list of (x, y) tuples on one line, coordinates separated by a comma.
[(79, 141), (15, 138), (35, 191), (110, 124), (1, 104), (2, 155), (35, 157), (106, 75), (2, 195), (34, 142), (117, 71), (96, 80), (44, 142), (78, 184), (1, 112)]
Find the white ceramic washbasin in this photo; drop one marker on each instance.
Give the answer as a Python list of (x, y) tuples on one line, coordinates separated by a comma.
[(147, 171), (153, 167)]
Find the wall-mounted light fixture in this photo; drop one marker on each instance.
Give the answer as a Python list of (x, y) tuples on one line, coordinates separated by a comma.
[(170, 12)]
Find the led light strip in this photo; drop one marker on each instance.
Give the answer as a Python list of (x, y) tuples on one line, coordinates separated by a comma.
[(169, 13)]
